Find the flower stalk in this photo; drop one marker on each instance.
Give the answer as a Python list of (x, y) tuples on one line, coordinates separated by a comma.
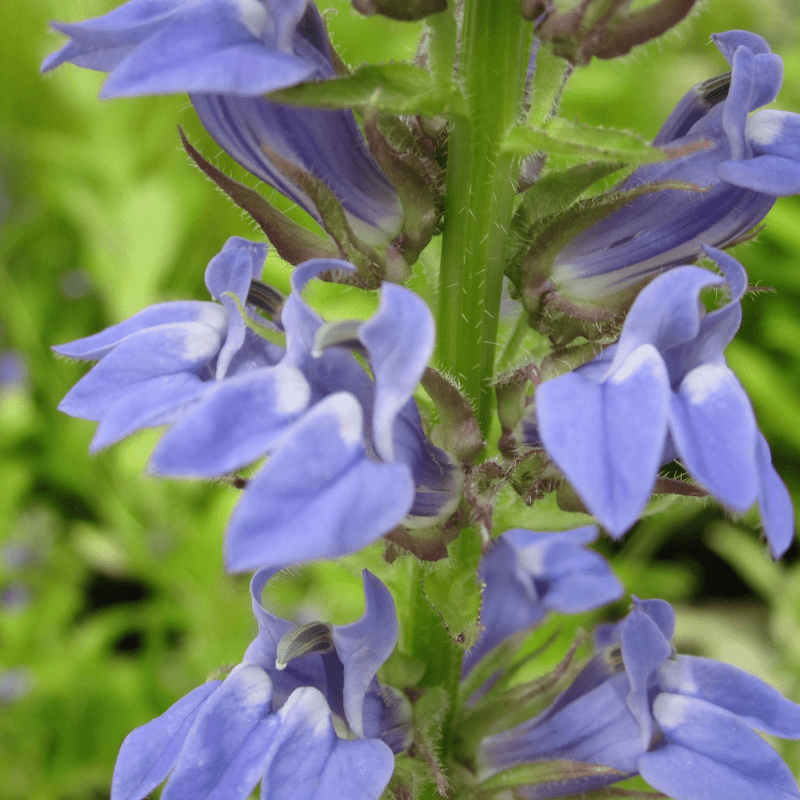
[(496, 47)]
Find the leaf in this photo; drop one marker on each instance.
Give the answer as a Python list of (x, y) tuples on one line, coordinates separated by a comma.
[(549, 78), (397, 88), (452, 588), (561, 137), (547, 772)]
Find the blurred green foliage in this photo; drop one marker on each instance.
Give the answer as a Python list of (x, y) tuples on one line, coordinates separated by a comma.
[(113, 598)]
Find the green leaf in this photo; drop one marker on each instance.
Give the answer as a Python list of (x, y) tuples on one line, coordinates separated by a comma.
[(556, 190), (397, 88), (453, 590), (551, 73), (545, 772), (561, 137)]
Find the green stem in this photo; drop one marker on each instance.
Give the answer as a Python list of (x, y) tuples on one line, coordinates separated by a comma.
[(496, 44)]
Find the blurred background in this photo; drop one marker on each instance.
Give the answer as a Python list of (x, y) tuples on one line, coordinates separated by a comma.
[(112, 598)]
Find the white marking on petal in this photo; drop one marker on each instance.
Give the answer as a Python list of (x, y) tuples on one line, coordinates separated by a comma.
[(251, 678), (632, 363), (214, 316), (351, 419), (531, 559), (200, 342), (677, 676), (254, 16), (702, 382), (765, 127), (292, 392), (670, 710)]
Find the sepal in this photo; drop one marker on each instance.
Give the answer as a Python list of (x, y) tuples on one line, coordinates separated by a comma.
[(293, 242)]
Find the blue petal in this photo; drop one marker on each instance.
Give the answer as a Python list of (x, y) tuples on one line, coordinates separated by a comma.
[(308, 761), (234, 268), (304, 671), (317, 496), (714, 430), (644, 649), (738, 103), (363, 646), (608, 438), (596, 728), (153, 402), (93, 348), (211, 46), (728, 42), (666, 313), (233, 425), (527, 573), (231, 271), (775, 133), (711, 754), (774, 502), (399, 339), (437, 478), (753, 701), (151, 354), (577, 579), (224, 754), (148, 754), (773, 175)]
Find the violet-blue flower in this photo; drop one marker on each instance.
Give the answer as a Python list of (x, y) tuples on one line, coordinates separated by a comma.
[(227, 54), (527, 574), (663, 391), (270, 720), (749, 161), (346, 451), (684, 723)]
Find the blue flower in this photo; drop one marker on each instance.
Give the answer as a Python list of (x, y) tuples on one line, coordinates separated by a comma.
[(270, 719), (527, 574), (244, 47), (227, 54), (684, 723), (663, 391), (346, 452), (751, 160)]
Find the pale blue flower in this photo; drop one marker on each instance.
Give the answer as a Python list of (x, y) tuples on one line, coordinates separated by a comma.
[(271, 722), (684, 723), (662, 392)]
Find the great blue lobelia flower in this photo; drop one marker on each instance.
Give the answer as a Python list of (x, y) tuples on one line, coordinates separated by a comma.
[(227, 54), (663, 391), (348, 458), (270, 719), (684, 723), (528, 574), (749, 160)]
